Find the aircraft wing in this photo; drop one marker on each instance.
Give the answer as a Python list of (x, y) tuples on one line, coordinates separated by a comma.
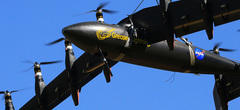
[(55, 93), (188, 16), (58, 89), (226, 88), (232, 87), (185, 17)]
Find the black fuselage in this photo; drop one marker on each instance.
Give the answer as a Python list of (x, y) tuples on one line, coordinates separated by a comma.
[(179, 60), (118, 44)]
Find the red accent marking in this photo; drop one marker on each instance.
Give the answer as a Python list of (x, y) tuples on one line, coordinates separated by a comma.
[(78, 95), (200, 53), (110, 73), (173, 43)]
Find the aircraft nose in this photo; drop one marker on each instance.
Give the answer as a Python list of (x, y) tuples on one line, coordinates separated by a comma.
[(81, 36), (89, 36), (66, 31), (69, 32)]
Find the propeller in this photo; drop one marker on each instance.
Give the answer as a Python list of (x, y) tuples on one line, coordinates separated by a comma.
[(216, 49), (40, 63), (132, 29), (14, 91), (56, 41), (5, 92), (100, 10), (68, 44), (44, 63), (106, 68), (70, 58), (2, 92), (28, 68), (8, 93), (52, 62)]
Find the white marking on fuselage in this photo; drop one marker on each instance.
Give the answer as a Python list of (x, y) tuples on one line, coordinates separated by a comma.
[(101, 20), (69, 47), (8, 100), (127, 42), (38, 74), (192, 56)]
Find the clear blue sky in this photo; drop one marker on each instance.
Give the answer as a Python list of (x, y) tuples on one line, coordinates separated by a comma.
[(27, 25)]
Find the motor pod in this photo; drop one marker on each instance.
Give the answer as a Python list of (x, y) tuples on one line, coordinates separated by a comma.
[(90, 36)]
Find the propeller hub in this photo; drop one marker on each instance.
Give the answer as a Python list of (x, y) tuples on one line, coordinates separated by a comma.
[(37, 67), (216, 51), (7, 94), (99, 11)]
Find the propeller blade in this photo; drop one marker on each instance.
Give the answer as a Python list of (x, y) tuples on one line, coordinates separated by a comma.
[(216, 45), (20, 89), (227, 50), (137, 7), (52, 62), (56, 41), (100, 8), (27, 61), (102, 5), (28, 69), (90, 11), (17, 90), (2, 92), (108, 11), (14, 91), (107, 73), (106, 69)]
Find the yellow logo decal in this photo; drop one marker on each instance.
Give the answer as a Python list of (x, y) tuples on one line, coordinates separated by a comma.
[(102, 35), (138, 41)]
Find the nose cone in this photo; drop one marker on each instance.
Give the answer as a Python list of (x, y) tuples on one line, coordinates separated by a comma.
[(83, 35), (89, 36), (75, 31)]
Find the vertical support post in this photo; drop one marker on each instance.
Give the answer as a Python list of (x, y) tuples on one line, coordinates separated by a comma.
[(219, 93)]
